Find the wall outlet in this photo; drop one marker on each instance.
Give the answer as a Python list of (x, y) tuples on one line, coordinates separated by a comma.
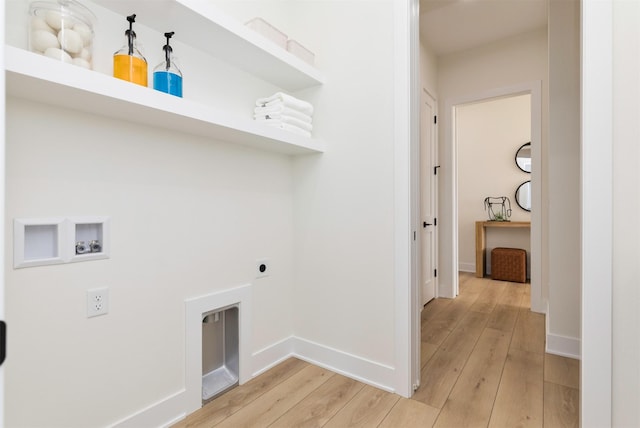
[(97, 302), (262, 268)]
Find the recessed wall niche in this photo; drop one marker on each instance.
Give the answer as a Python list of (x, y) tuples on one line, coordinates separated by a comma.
[(47, 241), (37, 242), (90, 238)]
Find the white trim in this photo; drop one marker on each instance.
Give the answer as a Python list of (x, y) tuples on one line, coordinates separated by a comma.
[(358, 368), (597, 229), (175, 407), (66, 238), (163, 413), (415, 287), (71, 238), (538, 302), (466, 267), (448, 284), (366, 371), (19, 239), (406, 132), (194, 308), (2, 194), (272, 355), (560, 345), (563, 346)]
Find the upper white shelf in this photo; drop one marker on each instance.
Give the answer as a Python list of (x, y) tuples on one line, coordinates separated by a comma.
[(202, 26), (36, 77)]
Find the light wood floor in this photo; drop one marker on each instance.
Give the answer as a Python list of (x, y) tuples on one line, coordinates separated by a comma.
[(483, 365)]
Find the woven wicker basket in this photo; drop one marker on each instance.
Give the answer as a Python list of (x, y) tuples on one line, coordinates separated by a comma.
[(509, 264)]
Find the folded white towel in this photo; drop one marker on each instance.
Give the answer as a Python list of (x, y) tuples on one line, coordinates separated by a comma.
[(288, 101), (275, 117), (287, 127), (282, 110)]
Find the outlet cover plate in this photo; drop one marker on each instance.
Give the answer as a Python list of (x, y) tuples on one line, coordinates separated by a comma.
[(97, 302), (262, 268)]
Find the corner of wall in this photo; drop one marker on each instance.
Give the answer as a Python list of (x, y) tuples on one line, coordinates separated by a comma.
[(176, 407), (557, 344)]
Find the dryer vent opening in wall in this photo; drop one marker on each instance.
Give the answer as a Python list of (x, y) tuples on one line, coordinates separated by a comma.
[(220, 351)]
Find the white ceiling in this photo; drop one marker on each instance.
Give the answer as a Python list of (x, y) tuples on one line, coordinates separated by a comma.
[(454, 25)]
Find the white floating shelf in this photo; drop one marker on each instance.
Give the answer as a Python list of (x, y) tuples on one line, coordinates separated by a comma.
[(38, 78), (204, 27)]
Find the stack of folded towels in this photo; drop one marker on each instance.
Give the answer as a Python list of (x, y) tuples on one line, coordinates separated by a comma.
[(285, 112)]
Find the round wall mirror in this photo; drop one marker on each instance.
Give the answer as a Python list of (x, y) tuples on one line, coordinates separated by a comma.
[(523, 196), (523, 157)]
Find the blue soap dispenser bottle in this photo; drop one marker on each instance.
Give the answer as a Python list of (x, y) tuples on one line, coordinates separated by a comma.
[(167, 77)]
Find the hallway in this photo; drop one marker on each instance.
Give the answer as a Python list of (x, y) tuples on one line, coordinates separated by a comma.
[(483, 361)]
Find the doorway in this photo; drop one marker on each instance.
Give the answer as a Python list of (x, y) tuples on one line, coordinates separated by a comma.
[(449, 189), (488, 135)]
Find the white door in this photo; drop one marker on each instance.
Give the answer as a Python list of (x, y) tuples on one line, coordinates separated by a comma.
[(428, 196)]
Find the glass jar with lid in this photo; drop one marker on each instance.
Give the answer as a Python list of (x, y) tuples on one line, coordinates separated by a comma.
[(63, 30)]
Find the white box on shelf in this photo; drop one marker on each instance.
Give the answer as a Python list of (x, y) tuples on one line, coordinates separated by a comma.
[(300, 51), (262, 27), (38, 242)]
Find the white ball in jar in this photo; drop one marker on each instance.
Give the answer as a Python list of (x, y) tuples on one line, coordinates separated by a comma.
[(84, 31), (58, 54), (82, 63), (41, 40), (70, 41), (85, 54), (57, 21), (38, 23)]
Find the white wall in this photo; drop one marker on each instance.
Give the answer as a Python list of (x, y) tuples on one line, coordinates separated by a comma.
[(189, 216), (626, 205), (489, 134), (343, 200), (563, 321), (428, 68), (512, 61)]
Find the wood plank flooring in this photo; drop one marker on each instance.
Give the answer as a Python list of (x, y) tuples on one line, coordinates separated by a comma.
[(483, 365)]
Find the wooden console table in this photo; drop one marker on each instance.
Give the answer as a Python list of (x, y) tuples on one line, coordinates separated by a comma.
[(481, 251)]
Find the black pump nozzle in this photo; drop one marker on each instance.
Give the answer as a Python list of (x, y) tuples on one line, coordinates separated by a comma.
[(167, 49), (130, 33)]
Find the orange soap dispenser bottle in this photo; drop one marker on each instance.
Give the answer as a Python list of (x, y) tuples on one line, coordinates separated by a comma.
[(129, 63)]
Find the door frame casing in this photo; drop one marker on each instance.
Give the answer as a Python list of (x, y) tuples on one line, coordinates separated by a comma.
[(597, 173), (406, 140), (2, 197), (449, 286)]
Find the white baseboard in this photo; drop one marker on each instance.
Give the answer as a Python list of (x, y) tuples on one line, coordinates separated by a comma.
[(175, 408), (560, 345), (366, 371), (466, 267), (563, 346), (164, 413), (271, 356), (358, 368)]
